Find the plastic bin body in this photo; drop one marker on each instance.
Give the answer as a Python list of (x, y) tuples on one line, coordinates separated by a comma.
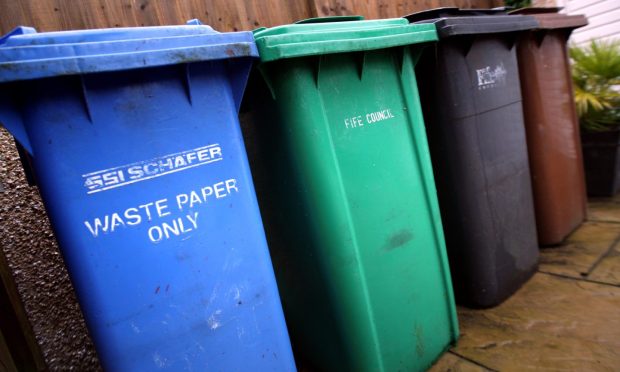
[(345, 182), (551, 124), (145, 180), (469, 86)]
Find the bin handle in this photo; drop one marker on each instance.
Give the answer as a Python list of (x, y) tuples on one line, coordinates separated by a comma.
[(20, 30), (431, 13), (197, 22), (454, 12), (347, 18)]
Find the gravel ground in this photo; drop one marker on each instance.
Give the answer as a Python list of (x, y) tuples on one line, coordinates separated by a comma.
[(39, 271)]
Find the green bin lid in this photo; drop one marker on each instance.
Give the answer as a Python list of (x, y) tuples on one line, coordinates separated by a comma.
[(328, 35)]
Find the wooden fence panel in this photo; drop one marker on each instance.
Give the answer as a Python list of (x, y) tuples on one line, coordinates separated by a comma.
[(223, 15), (373, 9)]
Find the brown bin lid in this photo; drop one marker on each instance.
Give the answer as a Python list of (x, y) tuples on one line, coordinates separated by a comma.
[(549, 18)]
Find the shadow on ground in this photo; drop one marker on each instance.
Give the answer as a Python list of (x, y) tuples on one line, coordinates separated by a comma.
[(567, 317)]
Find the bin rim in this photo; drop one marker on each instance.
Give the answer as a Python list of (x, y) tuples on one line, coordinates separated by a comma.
[(550, 18), (455, 21), (31, 55), (453, 11), (344, 18), (320, 38), (304, 26)]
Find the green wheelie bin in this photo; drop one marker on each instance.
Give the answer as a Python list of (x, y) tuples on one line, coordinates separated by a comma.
[(339, 156)]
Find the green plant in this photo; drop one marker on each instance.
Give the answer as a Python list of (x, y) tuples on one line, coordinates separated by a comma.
[(518, 3), (596, 80)]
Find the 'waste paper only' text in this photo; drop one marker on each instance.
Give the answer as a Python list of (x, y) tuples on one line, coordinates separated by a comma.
[(173, 216)]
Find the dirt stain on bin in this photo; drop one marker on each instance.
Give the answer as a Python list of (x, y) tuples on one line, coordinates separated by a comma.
[(398, 239), (419, 346)]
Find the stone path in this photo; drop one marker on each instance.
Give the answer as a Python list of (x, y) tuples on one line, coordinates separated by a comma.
[(566, 318)]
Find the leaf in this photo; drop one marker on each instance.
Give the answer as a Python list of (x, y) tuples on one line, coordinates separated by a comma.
[(596, 80)]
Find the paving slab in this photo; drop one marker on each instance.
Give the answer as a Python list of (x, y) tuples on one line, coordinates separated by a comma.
[(453, 363), (581, 250), (604, 209), (608, 270), (551, 324)]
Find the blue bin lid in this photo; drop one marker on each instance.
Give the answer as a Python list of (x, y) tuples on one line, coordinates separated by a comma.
[(26, 54)]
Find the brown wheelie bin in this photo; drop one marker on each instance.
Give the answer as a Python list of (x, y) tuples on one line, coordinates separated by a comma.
[(551, 124)]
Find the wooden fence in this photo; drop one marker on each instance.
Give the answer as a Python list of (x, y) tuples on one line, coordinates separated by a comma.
[(223, 15)]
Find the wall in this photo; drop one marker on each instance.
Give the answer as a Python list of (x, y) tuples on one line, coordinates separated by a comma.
[(38, 270), (603, 17), (25, 235)]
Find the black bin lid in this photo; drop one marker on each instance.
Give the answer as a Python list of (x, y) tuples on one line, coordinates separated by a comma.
[(455, 21)]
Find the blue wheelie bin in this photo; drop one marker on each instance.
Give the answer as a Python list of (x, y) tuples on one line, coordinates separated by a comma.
[(137, 151)]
